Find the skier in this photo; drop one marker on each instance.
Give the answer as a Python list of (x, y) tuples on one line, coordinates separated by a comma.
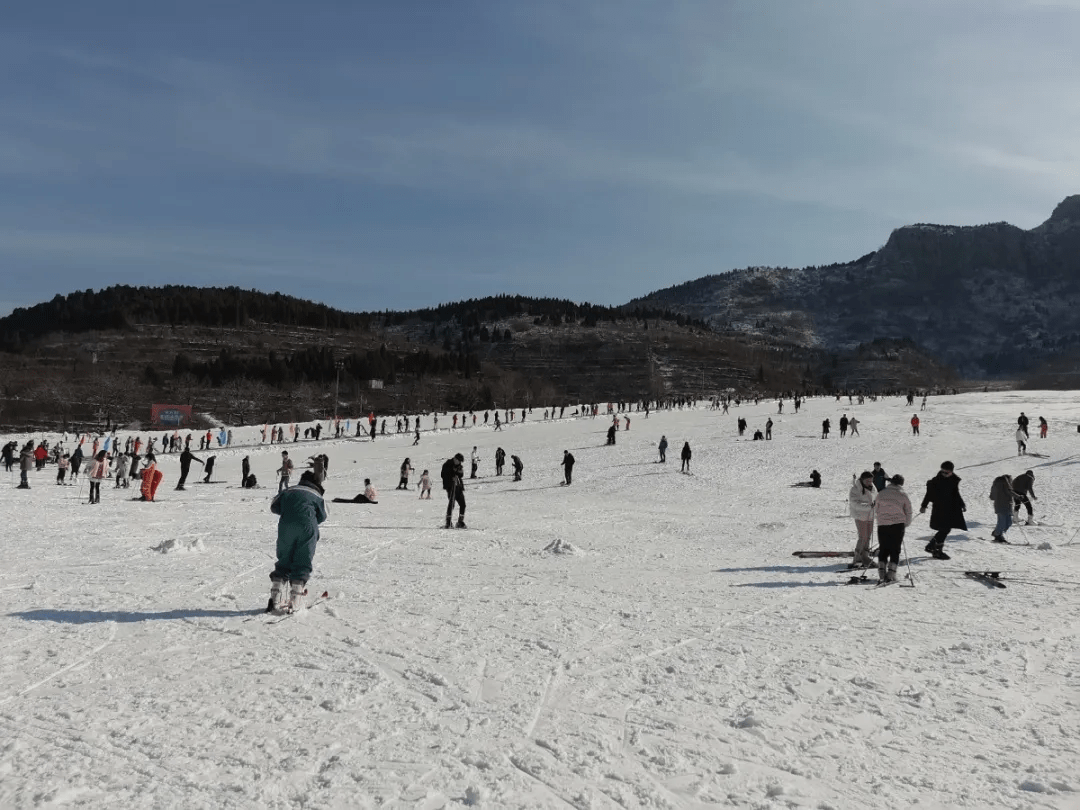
[(1003, 496), (880, 476), (853, 425), (425, 485), (500, 458), (122, 471), (301, 509), (662, 447), (1022, 423), (611, 435), (943, 490), (406, 468), (893, 516), (768, 429), (1023, 486), (568, 466), (186, 457), (915, 424), (1021, 442), (825, 429), (861, 501), (76, 462), (369, 495), (518, 467), (151, 478), (99, 470), (209, 469), (453, 474), (741, 424), (685, 457), (26, 463), (475, 459), (843, 425), (62, 465), (1043, 427), (245, 471), (285, 471)]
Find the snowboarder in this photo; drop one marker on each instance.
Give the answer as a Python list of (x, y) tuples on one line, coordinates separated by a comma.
[(1023, 486), (685, 457), (453, 473), (893, 516), (861, 501), (1003, 496), (662, 447), (943, 490), (301, 509), (568, 466)]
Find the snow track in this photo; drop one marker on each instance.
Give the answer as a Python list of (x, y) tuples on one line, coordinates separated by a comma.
[(677, 656)]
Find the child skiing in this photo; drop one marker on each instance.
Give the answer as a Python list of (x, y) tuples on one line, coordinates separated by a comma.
[(301, 509)]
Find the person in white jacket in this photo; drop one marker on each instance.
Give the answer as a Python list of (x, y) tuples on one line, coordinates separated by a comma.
[(1021, 442), (861, 502), (893, 516)]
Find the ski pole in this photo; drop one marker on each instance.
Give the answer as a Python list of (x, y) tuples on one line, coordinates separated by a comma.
[(907, 558)]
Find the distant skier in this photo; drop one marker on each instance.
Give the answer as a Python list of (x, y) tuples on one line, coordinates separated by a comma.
[(568, 467), (301, 509), (1021, 442), (453, 474), (406, 468), (1003, 495), (894, 514), (662, 447), (943, 490), (685, 457), (861, 502)]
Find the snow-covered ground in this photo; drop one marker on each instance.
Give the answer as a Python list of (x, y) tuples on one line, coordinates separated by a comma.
[(675, 655)]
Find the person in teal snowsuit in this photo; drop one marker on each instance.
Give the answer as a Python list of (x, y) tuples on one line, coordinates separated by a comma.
[(301, 510)]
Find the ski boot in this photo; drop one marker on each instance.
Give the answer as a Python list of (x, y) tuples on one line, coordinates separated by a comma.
[(277, 596), (890, 573), (1030, 521), (461, 523), (449, 524), (297, 592), (881, 573)]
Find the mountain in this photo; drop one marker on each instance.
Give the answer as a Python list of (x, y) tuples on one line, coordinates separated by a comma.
[(988, 299)]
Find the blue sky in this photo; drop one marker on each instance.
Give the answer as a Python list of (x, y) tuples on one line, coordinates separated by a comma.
[(379, 155)]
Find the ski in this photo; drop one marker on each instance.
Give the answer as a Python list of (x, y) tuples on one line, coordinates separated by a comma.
[(814, 554), (988, 577), (280, 616)]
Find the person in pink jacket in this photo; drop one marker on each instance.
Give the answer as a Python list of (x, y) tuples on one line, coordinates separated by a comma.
[(893, 516), (99, 470)]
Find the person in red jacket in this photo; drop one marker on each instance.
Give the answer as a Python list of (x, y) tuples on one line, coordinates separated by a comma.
[(915, 424), (40, 454)]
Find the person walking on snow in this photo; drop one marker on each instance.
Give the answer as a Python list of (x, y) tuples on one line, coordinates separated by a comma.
[(880, 476), (300, 510), (453, 474), (685, 457), (406, 468), (861, 502), (662, 447), (825, 429), (285, 471), (1023, 486), (186, 457), (943, 491), (853, 425), (568, 467), (1003, 496), (893, 516), (843, 426), (99, 469), (1021, 442), (914, 424)]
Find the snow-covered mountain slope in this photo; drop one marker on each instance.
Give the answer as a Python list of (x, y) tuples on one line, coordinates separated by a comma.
[(988, 299), (641, 638)]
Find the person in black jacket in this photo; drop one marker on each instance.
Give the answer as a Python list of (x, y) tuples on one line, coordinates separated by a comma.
[(453, 475), (685, 457), (568, 467), (943, 490), (245, 471), (186, 457)]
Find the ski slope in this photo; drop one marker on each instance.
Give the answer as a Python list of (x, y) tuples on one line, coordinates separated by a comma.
[(671, 653)]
